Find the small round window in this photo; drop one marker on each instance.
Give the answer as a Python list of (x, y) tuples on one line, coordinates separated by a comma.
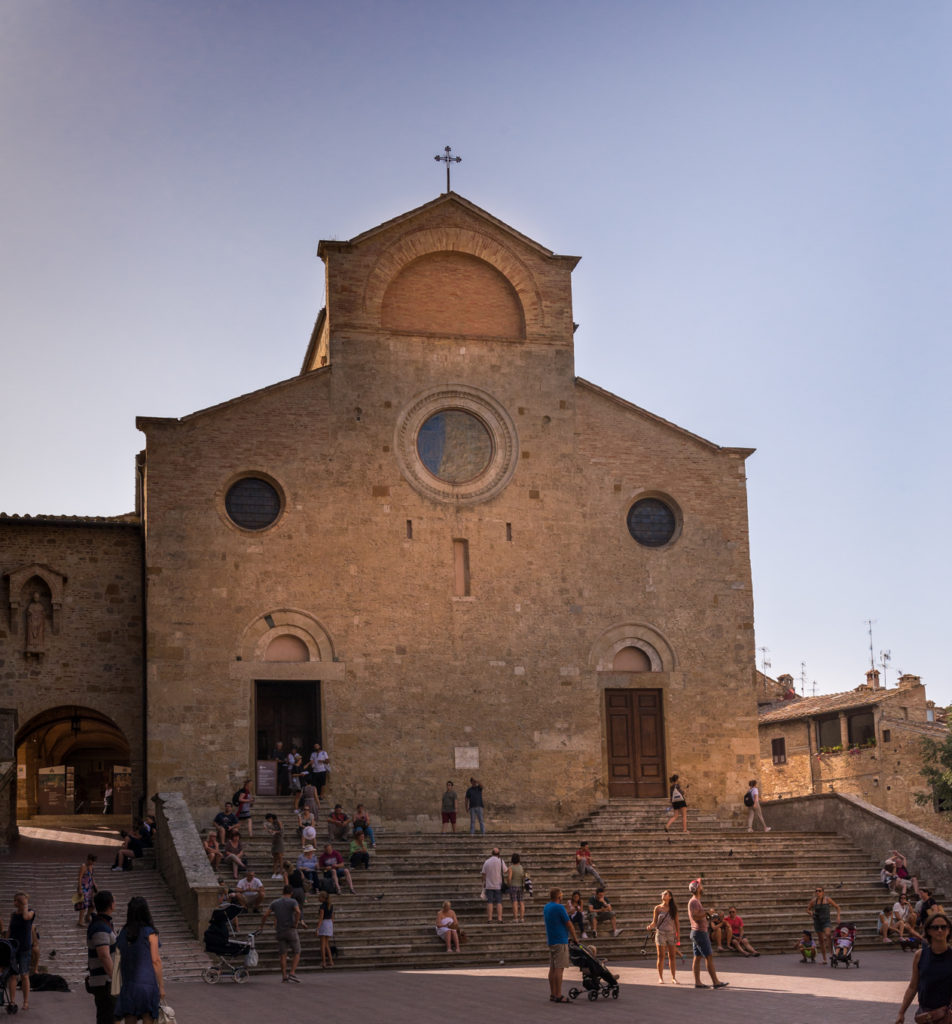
[(454, 445), (252, 503), (652, 522)]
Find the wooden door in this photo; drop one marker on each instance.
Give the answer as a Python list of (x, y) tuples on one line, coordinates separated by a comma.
[(635, 730), (286, 711)]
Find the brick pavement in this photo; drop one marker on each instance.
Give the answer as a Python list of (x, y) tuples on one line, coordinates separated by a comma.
[(773, 988)]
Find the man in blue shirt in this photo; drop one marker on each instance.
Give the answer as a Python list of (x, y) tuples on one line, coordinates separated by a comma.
[(558, 928)]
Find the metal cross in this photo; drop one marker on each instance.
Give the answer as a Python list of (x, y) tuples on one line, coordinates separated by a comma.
[(447, 159)]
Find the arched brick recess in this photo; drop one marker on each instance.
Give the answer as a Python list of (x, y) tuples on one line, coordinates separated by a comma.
[(632, 634), (285, 622), (420, 243)]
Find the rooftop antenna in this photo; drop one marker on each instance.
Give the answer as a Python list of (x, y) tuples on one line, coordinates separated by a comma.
[(869, 629), (885, 657), (765, 664), (813, 688), (447, 159), (803, 678)]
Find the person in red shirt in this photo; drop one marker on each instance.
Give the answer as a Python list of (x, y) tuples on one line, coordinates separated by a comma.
[(332, 864), (736, 924)]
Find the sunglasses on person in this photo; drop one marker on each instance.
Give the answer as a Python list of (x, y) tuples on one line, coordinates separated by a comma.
[(938, 928)]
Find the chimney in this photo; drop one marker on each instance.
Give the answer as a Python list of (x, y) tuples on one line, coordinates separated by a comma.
[(906, 681), (872, 678)]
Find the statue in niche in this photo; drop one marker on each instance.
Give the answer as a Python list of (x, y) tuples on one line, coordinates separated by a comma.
[(35, 624)]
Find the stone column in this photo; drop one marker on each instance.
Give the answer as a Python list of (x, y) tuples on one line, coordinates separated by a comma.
[(844, 731)]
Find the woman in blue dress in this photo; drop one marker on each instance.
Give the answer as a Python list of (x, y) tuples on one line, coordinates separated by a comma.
[(140, 966)]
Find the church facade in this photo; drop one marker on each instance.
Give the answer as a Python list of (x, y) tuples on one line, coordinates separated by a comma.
[(435, 550)]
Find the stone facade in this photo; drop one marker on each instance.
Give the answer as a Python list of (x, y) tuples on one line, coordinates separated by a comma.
[(76, 685), (866, 742), (422, 551)]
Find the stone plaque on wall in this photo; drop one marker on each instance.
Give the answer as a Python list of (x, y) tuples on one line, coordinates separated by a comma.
[(467, 757)]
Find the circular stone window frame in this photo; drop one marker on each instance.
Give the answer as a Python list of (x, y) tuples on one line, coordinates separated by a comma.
[(493, 479), (675, 508), (250, 474)]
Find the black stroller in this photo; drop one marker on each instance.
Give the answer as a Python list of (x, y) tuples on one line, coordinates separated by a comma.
[(8, 952), (597, 979), (223, 942), (844, 938)]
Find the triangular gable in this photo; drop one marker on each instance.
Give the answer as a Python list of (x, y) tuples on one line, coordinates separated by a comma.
[(446, 199), (630, 406)]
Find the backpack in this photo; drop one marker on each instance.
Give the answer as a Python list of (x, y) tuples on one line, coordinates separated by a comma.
[(748, 799)]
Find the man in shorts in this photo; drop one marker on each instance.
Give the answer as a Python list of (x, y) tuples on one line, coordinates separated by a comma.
[(21, 931), (448, 808), (700, 939), (100, 949), (287, 917), (558, 928), (493, 870), (599, 909)]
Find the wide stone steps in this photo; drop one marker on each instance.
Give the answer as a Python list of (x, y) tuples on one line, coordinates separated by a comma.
[(63, 945), (391, 920)]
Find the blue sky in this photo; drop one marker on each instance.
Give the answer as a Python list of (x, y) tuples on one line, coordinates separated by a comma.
[(759, 192)]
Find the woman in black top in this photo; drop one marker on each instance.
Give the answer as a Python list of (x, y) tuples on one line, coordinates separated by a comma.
[(931, 977), (678, 804)]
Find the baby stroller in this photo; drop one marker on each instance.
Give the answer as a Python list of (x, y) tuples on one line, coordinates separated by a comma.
[(597, 979), (8, 951), (844, 936), (234, 955)]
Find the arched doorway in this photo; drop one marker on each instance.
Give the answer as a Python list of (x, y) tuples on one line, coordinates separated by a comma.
[(65, 757)]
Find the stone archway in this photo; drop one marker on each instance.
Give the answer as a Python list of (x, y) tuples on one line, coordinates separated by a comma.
[(88, 745)]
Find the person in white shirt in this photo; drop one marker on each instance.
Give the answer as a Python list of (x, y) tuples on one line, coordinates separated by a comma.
[(250, 890)]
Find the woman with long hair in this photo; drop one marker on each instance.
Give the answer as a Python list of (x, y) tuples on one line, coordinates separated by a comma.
[(667, 934), (931, 977), (325, 927), (140, 966), (85, 890), (678, 804)]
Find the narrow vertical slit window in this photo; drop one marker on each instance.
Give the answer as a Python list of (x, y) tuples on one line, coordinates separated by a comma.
[(461, 567), (409, 529), (508, 531)]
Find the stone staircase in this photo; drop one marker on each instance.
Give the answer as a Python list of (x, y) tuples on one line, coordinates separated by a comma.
[(51, 885), (390, 922)]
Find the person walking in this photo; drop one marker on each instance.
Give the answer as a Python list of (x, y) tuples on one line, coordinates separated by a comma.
[(667, 934), (931, 979), (558, 929), (100, 950), (20, 930), (678, 804), (474, 804), (287, 917), (516, 877), (700, 939), (85, 890), (325, 927), (820, 910), (140, 966), (752, 803)]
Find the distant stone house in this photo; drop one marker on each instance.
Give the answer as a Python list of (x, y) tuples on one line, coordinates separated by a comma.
[(865, 742)]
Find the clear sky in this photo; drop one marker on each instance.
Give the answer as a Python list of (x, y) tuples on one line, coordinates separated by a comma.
[(759, 191)]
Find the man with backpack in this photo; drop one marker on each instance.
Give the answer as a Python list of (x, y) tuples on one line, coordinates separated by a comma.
[(752, 803)]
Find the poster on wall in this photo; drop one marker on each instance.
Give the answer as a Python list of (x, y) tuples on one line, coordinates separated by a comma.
[(121, 790), (267, 781), (51, 786)]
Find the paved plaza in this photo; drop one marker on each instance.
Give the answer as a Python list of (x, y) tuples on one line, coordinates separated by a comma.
[(772, 988)]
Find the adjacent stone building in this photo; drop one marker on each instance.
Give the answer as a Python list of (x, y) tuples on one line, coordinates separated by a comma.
[(435, 550), (866, 742)]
